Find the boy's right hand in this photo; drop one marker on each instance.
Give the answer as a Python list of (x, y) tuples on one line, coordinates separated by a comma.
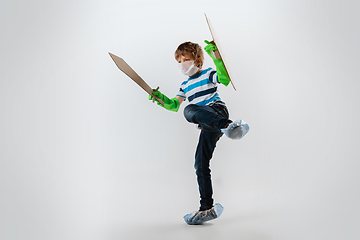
[(151, 97), (169, 104)]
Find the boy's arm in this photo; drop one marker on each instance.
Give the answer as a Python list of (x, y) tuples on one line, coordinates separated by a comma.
[(222, 75), (172, 104), (180, 99)]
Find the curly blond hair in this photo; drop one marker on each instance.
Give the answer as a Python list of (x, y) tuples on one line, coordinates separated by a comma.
[(193, 49)]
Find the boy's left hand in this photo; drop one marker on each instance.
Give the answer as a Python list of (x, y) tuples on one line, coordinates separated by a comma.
[(210, 47), (222, 74)]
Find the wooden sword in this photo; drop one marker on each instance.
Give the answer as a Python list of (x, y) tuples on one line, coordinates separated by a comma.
[(125, 68)]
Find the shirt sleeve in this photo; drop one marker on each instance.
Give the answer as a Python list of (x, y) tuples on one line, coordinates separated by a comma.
[(181, 93), (213, 77)]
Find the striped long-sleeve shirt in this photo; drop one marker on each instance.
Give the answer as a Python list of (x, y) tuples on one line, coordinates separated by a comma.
[(201, 89)]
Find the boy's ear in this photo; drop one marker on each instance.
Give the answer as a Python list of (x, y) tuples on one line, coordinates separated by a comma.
[(198, 61)]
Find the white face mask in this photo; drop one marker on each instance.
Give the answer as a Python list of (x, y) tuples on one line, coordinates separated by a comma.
[(188, 68)]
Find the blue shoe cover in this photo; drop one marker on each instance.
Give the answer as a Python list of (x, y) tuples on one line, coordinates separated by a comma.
[(199, 217), (236, 130)]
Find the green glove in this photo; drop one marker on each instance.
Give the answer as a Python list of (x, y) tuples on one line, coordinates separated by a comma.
[(169, 104), (223, 77)]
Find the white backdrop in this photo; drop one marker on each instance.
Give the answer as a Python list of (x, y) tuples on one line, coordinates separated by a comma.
[(85, 155)]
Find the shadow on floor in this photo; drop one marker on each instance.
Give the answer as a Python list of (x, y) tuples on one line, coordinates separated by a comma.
[(250, 226)]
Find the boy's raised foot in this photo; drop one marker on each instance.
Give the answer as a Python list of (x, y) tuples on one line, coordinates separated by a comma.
[(236, 129), (199, 217)]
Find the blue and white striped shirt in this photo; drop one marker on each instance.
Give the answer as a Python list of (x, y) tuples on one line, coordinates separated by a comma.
[(201, 89)]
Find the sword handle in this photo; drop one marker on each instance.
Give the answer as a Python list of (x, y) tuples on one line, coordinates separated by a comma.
[(157, 98), (155, 91)]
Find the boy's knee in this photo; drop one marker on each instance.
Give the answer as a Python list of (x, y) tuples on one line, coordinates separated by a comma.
[(189, 112), (202, 172)]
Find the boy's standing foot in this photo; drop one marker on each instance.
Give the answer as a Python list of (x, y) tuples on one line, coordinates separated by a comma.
[(199, 217), (236, 129)]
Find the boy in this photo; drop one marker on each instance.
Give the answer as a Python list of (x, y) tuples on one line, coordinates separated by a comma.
[(206, 109)]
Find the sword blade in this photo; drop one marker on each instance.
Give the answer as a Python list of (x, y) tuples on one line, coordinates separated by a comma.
[(125, 68)]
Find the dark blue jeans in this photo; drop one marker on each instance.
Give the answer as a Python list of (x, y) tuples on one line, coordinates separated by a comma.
[(210, 119)]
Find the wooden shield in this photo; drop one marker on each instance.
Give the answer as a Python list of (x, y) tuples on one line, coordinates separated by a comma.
[(219, 54)]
